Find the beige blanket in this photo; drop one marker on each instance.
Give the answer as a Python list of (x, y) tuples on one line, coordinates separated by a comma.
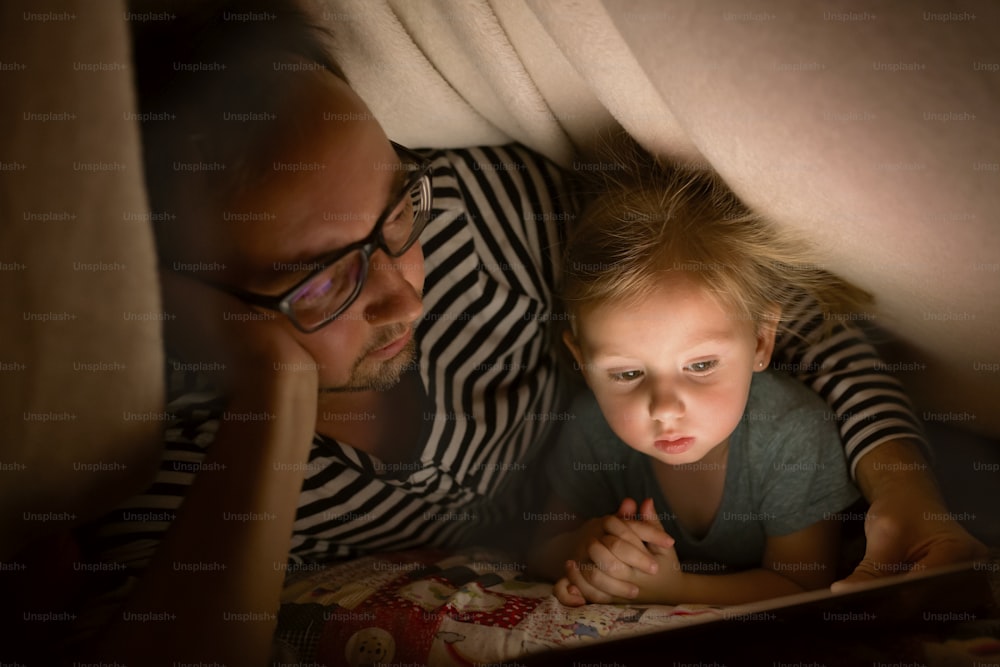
[(80, 342), (452, 73)]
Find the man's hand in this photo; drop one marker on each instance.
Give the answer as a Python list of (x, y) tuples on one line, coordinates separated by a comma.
[(257, 468), (219, 330), (908, 527)]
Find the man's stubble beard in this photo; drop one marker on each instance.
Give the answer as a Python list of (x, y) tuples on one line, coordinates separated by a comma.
[(367, 375)]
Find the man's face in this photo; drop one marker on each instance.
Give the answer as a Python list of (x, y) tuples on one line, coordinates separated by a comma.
[(325, 193)]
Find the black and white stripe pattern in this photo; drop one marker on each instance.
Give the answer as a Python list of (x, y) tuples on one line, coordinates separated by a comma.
[(491, 258), (492, 253), (846, 371)]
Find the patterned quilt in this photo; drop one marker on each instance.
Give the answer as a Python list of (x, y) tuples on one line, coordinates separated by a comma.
[(476, 608), (429, 607)]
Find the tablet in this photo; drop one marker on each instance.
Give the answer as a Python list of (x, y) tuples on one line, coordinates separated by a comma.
[(869, 622)]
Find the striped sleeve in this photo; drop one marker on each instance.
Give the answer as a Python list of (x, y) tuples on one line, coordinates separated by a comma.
[(844, 368), (491, 254)]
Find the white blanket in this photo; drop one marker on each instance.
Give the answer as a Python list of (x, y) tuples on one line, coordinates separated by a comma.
[(451, 73)]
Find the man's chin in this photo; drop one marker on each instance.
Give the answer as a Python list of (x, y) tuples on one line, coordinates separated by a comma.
[(378, 376)]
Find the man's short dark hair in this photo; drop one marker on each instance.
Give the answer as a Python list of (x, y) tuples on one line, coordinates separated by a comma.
[(219, 87)]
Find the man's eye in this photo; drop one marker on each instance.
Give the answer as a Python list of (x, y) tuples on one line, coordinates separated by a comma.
[(703, 366), (315, 290), (401, 213), (397, 227), (625, 376), (335, 282)]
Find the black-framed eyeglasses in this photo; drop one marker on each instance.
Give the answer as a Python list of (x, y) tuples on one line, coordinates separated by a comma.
[(336, 282)]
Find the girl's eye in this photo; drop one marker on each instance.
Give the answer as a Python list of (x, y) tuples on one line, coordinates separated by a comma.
[(626, 376), (703, 366)]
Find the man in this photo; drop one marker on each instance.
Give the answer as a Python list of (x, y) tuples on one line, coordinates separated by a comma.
[(385, 368)]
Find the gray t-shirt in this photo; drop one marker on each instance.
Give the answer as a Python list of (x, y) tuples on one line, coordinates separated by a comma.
[(785, 471)]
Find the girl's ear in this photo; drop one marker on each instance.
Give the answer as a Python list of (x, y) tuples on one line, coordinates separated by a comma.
[(767, 328), (574, 348)]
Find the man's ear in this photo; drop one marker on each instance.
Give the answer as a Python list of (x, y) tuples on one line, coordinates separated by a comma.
[(574, 348), (767, 328)]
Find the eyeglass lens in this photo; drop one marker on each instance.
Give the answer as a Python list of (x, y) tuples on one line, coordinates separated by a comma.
[(334, 288)]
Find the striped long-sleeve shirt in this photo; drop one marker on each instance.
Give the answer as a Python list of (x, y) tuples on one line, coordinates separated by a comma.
[(485, 354)]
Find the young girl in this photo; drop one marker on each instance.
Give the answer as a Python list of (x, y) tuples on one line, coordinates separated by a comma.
[(675, 293)]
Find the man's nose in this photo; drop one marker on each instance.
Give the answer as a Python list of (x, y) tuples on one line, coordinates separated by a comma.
[(389, 296)]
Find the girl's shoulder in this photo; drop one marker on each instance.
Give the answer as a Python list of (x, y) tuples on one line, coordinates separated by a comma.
[(775, 396), (784, 419)]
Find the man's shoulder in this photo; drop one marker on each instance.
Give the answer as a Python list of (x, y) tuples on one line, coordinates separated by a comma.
[(500, 189), (507, 175), (511, 157), (500, 217)]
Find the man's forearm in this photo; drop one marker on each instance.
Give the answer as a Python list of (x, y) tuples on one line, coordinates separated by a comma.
[(234, 525), (893, 464)]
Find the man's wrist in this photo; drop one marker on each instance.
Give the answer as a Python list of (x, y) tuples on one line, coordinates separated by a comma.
[(893, 464)]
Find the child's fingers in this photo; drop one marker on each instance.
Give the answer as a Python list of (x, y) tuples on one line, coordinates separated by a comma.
[(639, 534), (622, 529), (657, 550), (627, 509), (652, 534), (647, 510), (568, 594), (648, 526), (598, 585), (613, 553), (589, 592)]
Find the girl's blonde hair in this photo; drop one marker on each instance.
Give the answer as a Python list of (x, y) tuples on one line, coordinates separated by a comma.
[(644, 221)]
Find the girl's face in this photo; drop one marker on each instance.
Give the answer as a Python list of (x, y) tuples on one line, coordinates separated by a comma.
[(671, 373)]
